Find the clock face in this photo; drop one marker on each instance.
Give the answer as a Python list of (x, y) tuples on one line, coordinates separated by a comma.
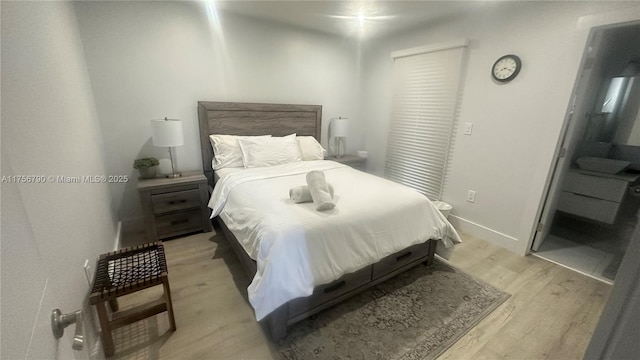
[(506, 68)]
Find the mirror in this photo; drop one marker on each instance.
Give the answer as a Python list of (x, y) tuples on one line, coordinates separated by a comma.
[(615, 119)]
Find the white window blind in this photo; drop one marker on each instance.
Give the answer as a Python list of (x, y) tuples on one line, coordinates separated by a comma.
[(426, 91)]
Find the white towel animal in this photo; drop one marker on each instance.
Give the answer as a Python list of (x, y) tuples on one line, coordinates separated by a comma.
[(319, 191), (301, 194)]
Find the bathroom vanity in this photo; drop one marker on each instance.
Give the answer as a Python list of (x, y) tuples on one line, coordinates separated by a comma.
[(594, 195)]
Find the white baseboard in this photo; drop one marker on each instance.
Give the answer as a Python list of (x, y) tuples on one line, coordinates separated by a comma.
[(495, 237), (118, 240)]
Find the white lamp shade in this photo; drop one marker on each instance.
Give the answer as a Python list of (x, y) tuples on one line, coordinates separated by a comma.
[(167, 132), (339, 127)]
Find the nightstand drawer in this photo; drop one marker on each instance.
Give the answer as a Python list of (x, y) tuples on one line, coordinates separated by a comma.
[(174, 206), (178, 223), (175, 201)]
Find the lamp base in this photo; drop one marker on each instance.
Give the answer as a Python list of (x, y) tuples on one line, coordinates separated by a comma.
[(339, 147), (174, 174)]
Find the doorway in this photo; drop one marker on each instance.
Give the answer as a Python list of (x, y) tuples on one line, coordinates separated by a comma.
[(593, 201)]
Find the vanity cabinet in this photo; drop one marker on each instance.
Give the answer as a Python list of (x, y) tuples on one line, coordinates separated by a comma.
[(593, 195)]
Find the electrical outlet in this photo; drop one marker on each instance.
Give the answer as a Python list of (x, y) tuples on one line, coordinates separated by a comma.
[(87, 271), (468, 128), (471, 196)]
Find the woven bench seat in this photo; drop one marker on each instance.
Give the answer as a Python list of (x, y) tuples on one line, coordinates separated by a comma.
[(124, 272)]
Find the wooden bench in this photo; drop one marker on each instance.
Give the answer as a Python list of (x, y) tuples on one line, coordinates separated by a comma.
[(124, 272)]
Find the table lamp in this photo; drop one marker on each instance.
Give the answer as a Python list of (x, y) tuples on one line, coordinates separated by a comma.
[(168, 132), (339, 130)]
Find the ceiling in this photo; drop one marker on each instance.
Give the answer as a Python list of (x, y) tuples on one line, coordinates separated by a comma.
[(354, 19)]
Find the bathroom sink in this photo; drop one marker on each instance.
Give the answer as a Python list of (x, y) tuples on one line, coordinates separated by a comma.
[(609, 166)]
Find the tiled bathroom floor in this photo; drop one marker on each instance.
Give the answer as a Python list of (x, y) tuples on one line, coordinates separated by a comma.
[(582, 258), (589, 247)]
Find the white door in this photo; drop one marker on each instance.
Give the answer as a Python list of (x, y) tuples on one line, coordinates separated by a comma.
[(29, 294), (579, 108), (553, 193), (49, 128)]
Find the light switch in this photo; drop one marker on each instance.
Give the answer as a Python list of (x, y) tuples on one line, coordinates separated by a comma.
[(468, 128)]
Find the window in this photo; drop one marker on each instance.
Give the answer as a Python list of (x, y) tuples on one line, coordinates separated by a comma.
[(426, 92)]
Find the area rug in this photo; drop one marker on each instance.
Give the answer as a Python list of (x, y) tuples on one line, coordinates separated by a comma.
[(415, 315)]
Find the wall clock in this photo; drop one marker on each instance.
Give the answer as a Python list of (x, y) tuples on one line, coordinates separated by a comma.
[(506, 68)]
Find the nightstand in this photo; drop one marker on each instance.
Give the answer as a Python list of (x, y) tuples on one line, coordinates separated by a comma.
[(354, 161), (173, 207)]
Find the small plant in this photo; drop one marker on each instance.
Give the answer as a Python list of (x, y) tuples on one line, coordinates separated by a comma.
[(145, 163)]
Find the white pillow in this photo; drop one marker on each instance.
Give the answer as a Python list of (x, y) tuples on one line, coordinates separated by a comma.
[(226, 150), (310, 148), (270, 151)]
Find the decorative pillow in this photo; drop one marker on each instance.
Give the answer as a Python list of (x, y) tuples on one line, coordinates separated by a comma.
[(226, 150), (310, 148), (269, 152)]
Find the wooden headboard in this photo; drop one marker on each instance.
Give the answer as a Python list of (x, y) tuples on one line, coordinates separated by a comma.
[(234, 118)]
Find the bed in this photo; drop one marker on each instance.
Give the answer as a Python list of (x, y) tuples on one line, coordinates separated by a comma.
[(369, 256)]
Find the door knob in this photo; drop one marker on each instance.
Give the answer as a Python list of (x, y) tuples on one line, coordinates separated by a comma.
[(59, 321)]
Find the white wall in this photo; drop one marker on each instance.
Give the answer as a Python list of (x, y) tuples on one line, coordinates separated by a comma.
[(149, 59), (153, 59), (50, 128), (516, 126)]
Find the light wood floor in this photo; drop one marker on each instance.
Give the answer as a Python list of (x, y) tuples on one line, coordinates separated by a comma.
[(551, 314)]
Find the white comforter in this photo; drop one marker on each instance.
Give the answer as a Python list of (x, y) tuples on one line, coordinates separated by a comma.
[(297, 248)]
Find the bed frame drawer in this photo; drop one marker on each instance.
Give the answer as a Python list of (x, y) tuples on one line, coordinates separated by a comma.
[(178, 223), (330, 291), (175, 201), (400, 259)]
